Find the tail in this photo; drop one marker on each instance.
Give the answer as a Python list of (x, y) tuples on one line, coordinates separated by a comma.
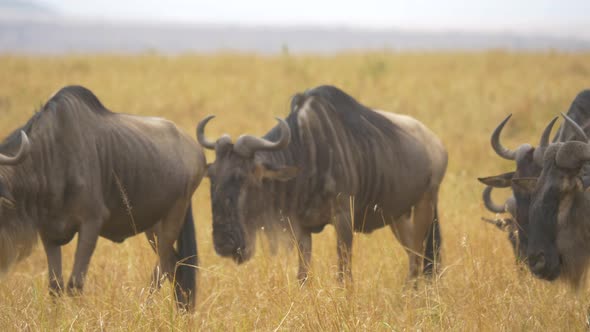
[(188, 260), (433, 242)]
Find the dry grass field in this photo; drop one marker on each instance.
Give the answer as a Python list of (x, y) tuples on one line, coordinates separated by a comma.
[(460, 96)]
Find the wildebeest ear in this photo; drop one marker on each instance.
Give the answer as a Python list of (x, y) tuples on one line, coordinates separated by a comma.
[(525, 184), (283, 173), (586, 182), (6, 198), (498, 181)]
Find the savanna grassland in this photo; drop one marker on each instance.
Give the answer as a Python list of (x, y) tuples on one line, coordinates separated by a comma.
[(460, 96)]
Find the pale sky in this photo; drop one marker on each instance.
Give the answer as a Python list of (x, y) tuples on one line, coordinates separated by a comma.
[(564, 17)]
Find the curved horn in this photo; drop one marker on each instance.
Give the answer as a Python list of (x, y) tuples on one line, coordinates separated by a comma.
[(489, 204), (23, 150), (246, 145), (500, 150), (206, 143), (579, 131), (543, 143)]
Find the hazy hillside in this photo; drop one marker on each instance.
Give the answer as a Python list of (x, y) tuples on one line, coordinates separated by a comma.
[(58, 35)]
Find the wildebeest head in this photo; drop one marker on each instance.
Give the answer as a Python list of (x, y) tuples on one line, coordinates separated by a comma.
[(17, 238), (528, 165), (557, 239), (236, 179), (24, 148)]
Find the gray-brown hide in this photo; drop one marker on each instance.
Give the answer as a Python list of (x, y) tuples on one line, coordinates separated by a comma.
[(559, 212), (331, 161), (85, 170), (528, 165)]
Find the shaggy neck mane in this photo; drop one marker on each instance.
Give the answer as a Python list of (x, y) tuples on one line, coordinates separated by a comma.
[(335, 110)]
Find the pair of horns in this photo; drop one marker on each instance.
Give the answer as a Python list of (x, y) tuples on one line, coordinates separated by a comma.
[(247, 145), (511, 154), (23, 151), (572, 153)]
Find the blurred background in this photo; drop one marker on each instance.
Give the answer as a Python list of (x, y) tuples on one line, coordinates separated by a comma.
[(305, 26)]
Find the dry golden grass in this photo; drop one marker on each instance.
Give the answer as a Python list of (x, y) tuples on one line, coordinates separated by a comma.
[(460, 96)]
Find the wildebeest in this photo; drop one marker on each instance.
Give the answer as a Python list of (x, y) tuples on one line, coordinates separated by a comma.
[(331, 161), (76, 167), (528, 164), (559, 240)]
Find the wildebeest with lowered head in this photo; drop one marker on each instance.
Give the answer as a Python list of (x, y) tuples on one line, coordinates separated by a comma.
[(528, 164), (76, 167), (331, 161), (560, 212)]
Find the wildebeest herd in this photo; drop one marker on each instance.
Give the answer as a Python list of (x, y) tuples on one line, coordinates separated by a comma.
[(77, 168)]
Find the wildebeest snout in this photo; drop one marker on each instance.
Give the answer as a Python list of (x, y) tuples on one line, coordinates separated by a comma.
[(544, 265), (537, 262), (229, 243)]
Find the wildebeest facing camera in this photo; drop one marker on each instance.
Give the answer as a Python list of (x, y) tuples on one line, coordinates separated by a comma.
[(559, 210), (529, 163), (331, 161)]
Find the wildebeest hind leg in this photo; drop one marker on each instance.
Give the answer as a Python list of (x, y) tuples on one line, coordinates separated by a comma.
[(157, 275), (424, 215), (344, 234), (403, 229), (167, 232), (53, 252), (433, 241), (87, 238)]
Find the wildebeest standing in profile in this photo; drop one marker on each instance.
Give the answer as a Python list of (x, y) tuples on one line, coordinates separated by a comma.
[(529, 163), (559, 240), (76, 167), (331, 161)]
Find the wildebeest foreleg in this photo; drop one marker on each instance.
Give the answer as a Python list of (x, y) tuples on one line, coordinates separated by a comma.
[(304, 248), (53, 252), (87, 238), (344, 233)]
